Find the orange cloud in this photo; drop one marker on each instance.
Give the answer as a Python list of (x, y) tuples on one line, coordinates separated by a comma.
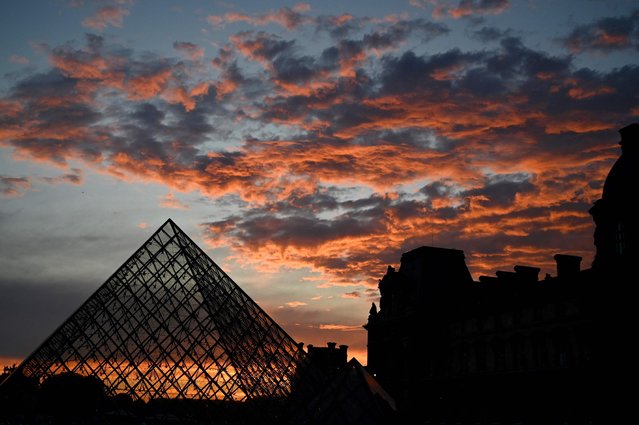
[(147, 86), (106, 16), (170, 201), (285, 17), (343, 328), (91, 68), (464, 8), (609, 39), (179, 95), (585, 93)]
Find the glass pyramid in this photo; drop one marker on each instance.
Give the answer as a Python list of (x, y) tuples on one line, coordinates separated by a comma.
[(169, 323)]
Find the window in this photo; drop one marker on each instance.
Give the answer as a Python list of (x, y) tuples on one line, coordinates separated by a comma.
[(464, 359), (499, 353), (539, 351), (518, 344), (506, 320), (480, 356), (620, 242)]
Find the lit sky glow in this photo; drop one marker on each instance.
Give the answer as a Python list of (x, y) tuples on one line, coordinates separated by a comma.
[(304, 146)]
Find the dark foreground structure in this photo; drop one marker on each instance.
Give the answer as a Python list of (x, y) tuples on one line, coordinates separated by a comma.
[(170, 338), (515, 349)]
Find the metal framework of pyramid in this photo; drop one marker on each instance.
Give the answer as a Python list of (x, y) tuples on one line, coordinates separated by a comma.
[(170, 323)]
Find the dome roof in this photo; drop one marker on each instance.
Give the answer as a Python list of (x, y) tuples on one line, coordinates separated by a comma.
[(622, 183)]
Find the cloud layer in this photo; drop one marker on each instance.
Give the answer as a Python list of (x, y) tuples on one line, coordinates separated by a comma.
[(606, 35), (339, 156)]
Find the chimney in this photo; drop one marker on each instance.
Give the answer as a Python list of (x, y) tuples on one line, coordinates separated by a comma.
[(567, 265), (528, 274), (331, 345)]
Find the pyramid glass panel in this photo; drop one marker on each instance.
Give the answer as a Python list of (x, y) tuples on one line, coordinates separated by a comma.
[(169, 323)]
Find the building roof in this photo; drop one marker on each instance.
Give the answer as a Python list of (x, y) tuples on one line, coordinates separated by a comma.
[(435, 266)]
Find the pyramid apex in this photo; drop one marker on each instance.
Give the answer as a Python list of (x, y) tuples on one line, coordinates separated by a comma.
[(168, 221), (170, 224)]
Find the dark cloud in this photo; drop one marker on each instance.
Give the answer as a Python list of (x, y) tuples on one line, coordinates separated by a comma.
[(345, 55), (261, 45), (500, 190), (301, 229), (395, 33), (14, 186), (339, 26), (295, 69), (438, 189), (50, 85), (317, 202), (605, 35), (410, 73), (407, 209), (148, 116), (515, 60), (75, 177), (193, 51), (417, 137)]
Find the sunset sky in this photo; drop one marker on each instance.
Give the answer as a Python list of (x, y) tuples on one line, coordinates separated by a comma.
[(303, 146)]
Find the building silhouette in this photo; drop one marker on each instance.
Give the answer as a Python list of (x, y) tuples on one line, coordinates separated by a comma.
[(512, 348), (329, 360), (615, 214), (171, 338)]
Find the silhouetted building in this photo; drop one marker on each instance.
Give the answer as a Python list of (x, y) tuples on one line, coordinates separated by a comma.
[(615, 214), (330, 360), (513, 348)]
